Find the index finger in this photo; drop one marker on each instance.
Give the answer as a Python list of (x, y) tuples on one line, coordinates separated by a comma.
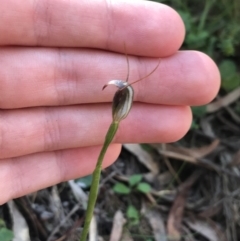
[(147, 28)]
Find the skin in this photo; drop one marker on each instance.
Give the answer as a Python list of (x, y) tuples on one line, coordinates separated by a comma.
[(55, 58)]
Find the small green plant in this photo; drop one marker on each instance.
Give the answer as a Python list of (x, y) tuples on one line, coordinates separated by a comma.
[(134, 184), (199, 111), (133, 216), (229, 74), (5, 234), (84, 182), (211, 26)]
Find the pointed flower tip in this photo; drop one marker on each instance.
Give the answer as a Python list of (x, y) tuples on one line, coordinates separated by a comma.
[(118, 83), (104, 87)]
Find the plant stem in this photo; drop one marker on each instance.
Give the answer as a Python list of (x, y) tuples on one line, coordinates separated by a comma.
[(96, 177)]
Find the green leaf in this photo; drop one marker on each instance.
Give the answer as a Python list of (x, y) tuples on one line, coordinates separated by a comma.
[(194, 125), (187, 19), (227, 68), (121, 188), (227, 46), (6, 234), (197, 39), (133, 215), (230, 77), (146, 147), (199, 111), (143, 187), (135, 179), (85, 182), (2, 223)]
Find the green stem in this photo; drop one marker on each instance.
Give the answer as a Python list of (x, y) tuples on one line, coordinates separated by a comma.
[(96, 177)]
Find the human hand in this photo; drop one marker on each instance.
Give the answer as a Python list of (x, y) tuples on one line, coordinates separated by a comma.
[(54, 116)]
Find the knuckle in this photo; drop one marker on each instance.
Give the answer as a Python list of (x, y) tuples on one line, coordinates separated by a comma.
[(52, 131), (42, 21)]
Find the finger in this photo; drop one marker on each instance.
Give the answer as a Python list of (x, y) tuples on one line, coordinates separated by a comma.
[(65, 77), (26, 174), (28, 131), (147, 28)]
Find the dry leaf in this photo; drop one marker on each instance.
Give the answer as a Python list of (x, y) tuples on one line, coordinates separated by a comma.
[(63, 222), (211, 211), (93, 233), (236, 159), (20, 227), (78, 193), (126, 236), (195, 152), (174, 222), (157, 223), (233, 114), (207, 127), (56, 206), (144, 157), (206, 228), (224, 101), (118, 222), (187, 154), (174, 154)]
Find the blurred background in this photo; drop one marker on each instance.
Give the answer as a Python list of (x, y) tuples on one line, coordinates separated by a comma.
[(189, 190)]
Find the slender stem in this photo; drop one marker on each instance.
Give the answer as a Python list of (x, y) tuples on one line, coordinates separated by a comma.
[(96, 177)]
